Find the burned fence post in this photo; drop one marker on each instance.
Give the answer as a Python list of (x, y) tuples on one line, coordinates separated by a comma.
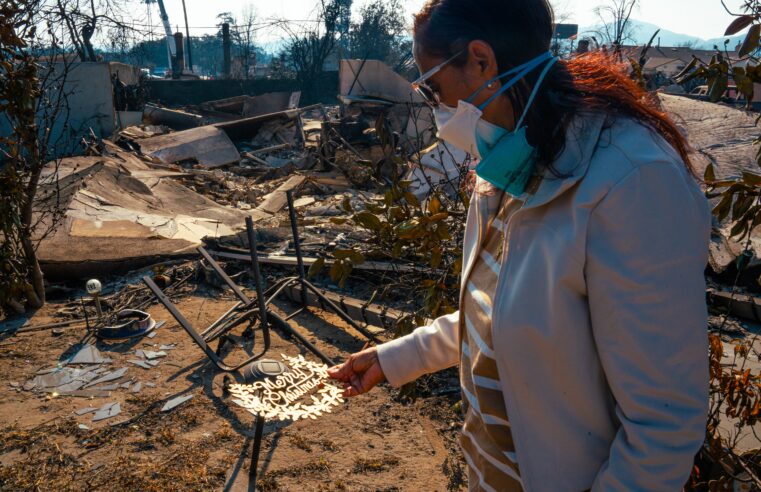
[(226, 50), (297, 245), (178, 65)]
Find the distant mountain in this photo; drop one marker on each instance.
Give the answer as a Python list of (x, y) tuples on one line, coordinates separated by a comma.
[(642, 31)]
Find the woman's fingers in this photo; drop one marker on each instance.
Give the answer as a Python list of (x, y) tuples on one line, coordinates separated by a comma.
[(360, 373), (341, 372)]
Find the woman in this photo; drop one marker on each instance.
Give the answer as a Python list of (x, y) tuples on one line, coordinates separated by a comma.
[(581, 335)]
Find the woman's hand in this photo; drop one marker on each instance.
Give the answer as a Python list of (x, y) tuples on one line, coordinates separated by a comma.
[(360, 373)]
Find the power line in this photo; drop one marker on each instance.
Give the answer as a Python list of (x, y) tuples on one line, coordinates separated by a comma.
[(256, 26)]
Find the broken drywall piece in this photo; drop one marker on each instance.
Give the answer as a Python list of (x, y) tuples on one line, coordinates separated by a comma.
[(159, 324), (72, 386), (62, 380), (85, 410), (275, 201), (111, 376), (140, 363), (89, 354), (107, 411), (304, 201), (136, 387), (168, 347), (107, 387), (86, 393), (174, 402), (125, 385), (151, 355), (207, 145), (51, 380)]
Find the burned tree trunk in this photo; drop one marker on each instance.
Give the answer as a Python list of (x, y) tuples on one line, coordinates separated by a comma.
[(21, 279), (36, 294), (87, 33)]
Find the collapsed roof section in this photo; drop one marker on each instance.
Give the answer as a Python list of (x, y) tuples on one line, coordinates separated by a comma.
[(121, 211)]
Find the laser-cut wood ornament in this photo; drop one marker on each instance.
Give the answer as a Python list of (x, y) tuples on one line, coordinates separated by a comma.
[(299, 393)]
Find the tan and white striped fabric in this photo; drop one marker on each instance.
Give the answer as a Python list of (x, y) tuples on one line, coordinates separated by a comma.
[(486, 439)]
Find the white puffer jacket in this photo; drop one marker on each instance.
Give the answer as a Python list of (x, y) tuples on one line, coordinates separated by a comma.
[(599, 316)]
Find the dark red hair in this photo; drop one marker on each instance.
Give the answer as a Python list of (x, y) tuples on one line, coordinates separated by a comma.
[(520, 30)]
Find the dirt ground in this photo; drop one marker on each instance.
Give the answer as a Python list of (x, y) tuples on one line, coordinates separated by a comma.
[(374, 442)]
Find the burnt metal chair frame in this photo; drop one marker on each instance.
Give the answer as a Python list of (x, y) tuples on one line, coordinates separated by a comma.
[(242, 312), (301, 279)]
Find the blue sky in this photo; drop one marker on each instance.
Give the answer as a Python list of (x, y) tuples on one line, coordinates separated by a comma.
[(701, 18)]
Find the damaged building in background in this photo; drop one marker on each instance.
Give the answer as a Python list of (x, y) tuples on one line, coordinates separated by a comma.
[(91, 98), (156, 189)]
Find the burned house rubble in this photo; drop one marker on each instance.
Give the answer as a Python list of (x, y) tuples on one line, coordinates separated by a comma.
[(183, 176), (237, 240)]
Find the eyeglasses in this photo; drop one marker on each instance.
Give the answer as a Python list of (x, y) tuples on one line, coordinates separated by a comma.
[(431, 96)]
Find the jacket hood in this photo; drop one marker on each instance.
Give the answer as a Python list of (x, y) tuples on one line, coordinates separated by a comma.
[(582, 135)]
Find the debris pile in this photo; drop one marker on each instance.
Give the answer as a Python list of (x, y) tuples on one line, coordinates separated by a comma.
[(156, 191)]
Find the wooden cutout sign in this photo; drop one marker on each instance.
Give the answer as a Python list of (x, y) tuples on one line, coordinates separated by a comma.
[(300, 393)]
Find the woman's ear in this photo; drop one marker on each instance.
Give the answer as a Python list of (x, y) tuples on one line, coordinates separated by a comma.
[(482, 62)]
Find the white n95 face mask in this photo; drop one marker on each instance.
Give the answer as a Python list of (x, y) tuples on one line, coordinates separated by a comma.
[(458, 126), (466, 129), (464, 126)]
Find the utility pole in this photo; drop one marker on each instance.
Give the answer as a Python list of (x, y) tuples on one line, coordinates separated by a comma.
[(226, 50), (179, 66), (171, 47), (187, 32)]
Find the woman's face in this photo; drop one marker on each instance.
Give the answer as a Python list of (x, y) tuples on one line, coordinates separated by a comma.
[(457, 83)]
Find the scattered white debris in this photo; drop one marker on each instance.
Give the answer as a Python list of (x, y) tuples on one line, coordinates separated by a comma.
[(175, 402), (62, 379), (107, 387), (140, 363), (107, 411), (111, 376), (89, 354), (150, 355)]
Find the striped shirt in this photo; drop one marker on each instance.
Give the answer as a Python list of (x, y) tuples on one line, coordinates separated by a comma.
[(486, 439)]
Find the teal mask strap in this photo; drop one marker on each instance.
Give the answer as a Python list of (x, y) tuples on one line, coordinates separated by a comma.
[(521, 70), (535, 91)]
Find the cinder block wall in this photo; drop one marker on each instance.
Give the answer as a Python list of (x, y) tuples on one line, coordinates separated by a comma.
[(193, 92)]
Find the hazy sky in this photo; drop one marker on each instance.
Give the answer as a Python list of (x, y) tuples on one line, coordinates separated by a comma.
[(702, 18)]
